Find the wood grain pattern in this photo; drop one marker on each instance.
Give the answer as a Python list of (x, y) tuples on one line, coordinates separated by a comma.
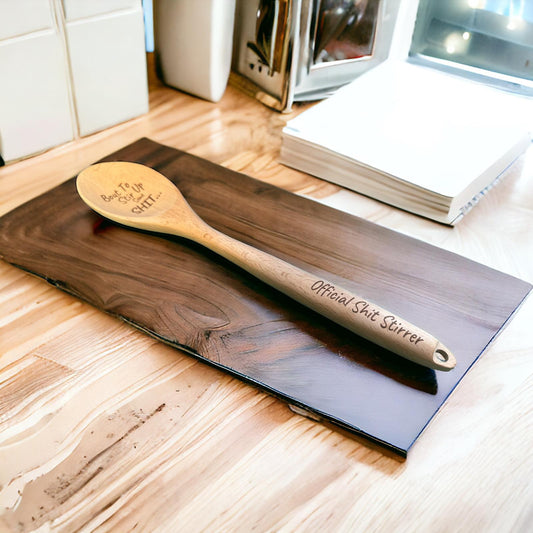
[(237, 459), (194, 299)]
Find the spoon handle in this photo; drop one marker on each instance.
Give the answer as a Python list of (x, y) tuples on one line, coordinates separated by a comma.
[(354, 312)]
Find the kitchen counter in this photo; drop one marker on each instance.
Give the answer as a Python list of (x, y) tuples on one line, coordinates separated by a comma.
[(104, 428)]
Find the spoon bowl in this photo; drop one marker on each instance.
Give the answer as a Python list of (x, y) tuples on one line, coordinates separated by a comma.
[(135, 195)]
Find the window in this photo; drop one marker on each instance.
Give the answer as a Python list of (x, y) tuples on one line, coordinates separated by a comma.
[(492, 37)]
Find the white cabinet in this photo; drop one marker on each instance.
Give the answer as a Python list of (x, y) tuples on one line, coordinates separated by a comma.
[(35, 110), (68, 68), (107, 60)]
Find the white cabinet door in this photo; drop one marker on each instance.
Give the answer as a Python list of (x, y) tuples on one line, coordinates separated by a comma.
[(35, 106), (108, 61)]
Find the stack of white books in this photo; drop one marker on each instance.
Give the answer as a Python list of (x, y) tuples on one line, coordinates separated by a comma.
[(414, 137)]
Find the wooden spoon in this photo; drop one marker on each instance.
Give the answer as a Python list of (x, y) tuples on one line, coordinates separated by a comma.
[(138, 196)]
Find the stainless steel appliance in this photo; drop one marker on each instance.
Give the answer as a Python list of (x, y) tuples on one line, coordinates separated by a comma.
[(293, 50)]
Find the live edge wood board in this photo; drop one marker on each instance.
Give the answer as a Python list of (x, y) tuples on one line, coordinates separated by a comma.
[(190, 298)]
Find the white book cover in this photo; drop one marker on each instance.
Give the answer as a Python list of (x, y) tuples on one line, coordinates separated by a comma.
[(432, 134)]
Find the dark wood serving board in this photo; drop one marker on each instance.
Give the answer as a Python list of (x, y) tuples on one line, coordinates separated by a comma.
[(187, 296)]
